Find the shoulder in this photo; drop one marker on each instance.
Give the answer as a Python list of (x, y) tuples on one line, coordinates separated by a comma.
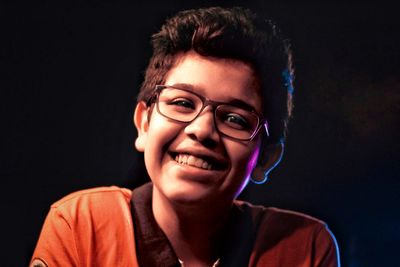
[(97, 193), (93, 201), (281, 232), (81, 226), (281, 218)]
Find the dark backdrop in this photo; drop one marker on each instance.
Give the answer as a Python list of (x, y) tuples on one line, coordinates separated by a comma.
[(70, 74)]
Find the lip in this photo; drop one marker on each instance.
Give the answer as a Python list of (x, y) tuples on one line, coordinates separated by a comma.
[(190, 173), (218, 162)]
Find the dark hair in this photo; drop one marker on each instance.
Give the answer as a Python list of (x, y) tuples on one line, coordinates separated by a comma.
[(232, 33)]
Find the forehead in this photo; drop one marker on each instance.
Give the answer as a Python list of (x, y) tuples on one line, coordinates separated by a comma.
[(219, 79)]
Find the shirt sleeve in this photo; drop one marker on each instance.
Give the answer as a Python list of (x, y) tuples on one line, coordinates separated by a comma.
[(326, 250), (56, 244)]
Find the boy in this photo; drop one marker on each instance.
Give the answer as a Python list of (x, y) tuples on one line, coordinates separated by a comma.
[(211, 115)]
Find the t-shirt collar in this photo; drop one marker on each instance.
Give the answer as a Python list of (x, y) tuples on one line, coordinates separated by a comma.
[(153, 248)]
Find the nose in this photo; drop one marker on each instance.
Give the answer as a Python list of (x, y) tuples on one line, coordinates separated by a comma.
[(203, 128)]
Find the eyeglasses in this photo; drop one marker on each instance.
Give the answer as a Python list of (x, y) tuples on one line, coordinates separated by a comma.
[(235, 121)]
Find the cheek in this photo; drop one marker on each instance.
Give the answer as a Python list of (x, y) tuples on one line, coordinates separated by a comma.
[(244, 160), (242, 170), (252, 162), (161, 133)]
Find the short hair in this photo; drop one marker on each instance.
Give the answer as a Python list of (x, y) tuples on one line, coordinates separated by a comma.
[(231, 33)]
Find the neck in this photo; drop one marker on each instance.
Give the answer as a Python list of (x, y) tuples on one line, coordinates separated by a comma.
[(193, 231)]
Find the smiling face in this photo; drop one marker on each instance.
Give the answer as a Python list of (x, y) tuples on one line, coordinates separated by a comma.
[(192, 163)]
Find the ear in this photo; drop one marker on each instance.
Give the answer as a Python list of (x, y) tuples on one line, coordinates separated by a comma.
[(269, 157), (140, 119)]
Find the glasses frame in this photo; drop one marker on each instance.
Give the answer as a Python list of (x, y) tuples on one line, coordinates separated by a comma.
[(261, 121)]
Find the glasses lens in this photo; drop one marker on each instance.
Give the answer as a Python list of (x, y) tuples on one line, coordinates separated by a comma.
[(236, 122), (184, 106), (178, 104)]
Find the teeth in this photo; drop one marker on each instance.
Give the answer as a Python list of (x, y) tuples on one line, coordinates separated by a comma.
[(193, 161)]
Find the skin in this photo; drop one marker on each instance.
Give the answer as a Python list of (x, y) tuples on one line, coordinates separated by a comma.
[(190, 203)]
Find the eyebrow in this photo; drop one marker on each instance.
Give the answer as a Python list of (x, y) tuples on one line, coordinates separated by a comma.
[(232, 101)]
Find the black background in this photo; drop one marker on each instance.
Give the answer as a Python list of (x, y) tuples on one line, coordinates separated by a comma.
[(69, 78)]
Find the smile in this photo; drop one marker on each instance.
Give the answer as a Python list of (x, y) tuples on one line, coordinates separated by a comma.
[(186, 159)]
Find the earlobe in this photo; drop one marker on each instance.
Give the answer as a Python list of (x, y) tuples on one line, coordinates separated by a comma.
[(140, 119), (269, 157)]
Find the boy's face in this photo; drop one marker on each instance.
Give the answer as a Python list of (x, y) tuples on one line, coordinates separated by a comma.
[(173, 149)]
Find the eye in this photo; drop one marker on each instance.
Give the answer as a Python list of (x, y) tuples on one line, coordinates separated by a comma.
[(182, 102), (236, 121), (181, 105)]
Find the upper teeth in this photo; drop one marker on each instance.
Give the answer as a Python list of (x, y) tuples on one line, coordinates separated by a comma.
[(193, 161)]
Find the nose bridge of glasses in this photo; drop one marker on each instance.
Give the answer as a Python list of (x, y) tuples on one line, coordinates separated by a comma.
[(207, 103), (203, 125)]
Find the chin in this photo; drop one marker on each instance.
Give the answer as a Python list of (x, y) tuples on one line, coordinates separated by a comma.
[(192, 194)]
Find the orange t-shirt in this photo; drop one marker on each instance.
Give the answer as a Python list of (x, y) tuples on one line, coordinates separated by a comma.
[(94, 227)]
